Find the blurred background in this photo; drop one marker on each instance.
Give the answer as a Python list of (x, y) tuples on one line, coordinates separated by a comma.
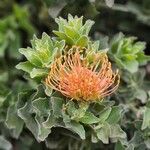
[(21, 19)]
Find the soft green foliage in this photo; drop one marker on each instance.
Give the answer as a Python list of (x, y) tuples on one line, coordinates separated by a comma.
[(127, 53), (73, 31), (40, 113), (10, 37), (40, 56), (4, 144), (136, 84), (33, 116)]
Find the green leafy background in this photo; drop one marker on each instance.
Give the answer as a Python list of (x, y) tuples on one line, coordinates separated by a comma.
[(30, 119)]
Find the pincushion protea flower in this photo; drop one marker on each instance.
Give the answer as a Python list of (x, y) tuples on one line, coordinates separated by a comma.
[(78, 79)]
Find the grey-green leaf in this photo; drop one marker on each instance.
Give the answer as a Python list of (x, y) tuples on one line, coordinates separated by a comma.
[(14, 122), (115, 115), (83, 41), (57, 104), (104, 114), (89, 118), (103, 133), (4, 144), (25, 66), (146, 118), (77, 128)]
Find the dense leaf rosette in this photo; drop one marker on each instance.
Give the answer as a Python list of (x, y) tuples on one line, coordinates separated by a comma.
[(127, 53), (40, 56), (73, 31)]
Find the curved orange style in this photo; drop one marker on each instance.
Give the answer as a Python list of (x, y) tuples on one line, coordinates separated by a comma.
[(78, 79)]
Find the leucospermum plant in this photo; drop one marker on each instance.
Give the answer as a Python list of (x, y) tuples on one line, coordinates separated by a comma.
[(74, 82)]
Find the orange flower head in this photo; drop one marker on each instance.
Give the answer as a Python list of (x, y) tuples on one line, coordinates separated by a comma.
[(78, 79)]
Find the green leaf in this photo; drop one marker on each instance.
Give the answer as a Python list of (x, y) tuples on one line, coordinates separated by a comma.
[(80, 112), (103, 133), (31, 56), (95, 46), (43, 47), (138, 47), (23, 97), (60, 45), (41, 106), (116, 43), (127, 53), (116, 132), (142, 58), (147, 143), (131, 66), (85, 29), (104, 114), (25, 66), (71, 32), (57, 104), (50, 122), (146, 118), (38, 72), (119, 146), (42, 131), (35, 112), (141, 95), (136, 140), (129, 57), (66, 118), (48, 90), (25, 114), (115, 115), (83, 41), (13, 121), (77, 128), (4, 144), (71, 108), (63, 36), (94, 138), (39, 92), (89, 118)]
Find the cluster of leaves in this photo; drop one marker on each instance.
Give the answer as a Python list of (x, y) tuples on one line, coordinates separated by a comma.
[(40, 113), (10, 35), (73, 31), (13, 23), (127, 53), (40, 56)]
